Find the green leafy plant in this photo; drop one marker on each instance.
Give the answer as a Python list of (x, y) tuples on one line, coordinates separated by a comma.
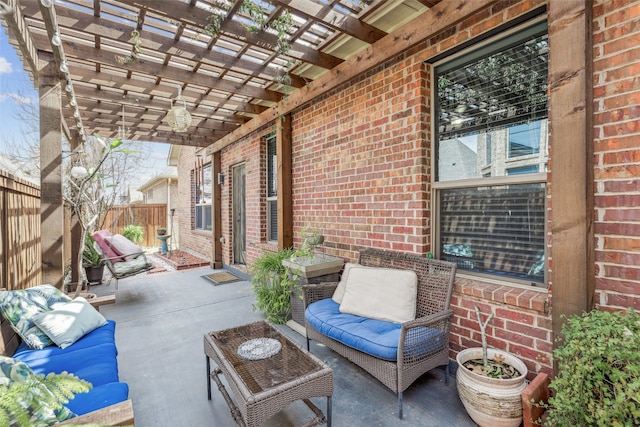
[(22, 401), (598, 381), (90, 257), (271, 285), (134, 233)]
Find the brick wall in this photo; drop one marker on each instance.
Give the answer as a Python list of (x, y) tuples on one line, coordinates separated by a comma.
[(195, 241), (616, 88)]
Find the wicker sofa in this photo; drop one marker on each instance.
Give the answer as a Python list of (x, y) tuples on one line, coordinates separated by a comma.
[(92, 358), (420, 344)]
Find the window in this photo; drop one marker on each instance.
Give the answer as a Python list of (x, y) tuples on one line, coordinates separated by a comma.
[(272, 189), (491, 137), (203, 195)]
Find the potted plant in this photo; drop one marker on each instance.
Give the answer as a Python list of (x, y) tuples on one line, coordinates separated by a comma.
[(490, 383), (598, 379), (271, 285), (161, 231), (92, 261)]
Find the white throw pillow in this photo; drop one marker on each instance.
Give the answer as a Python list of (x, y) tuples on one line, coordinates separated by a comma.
[(381, 293), (69, 322), (338, 294)]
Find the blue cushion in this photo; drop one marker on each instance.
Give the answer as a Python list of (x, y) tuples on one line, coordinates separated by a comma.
[(97, 364), (99, 397), (104, 334), (377, 338)]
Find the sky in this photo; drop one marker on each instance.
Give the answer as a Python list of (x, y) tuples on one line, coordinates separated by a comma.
[(16, 88)]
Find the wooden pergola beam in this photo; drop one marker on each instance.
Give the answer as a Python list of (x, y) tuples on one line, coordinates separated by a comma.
[(351, 26), (51, 206), (441, 16), (571, 142), (105, 57), (14, 20)]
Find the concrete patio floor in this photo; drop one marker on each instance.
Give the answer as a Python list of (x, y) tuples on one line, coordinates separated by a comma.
[(161, 320)]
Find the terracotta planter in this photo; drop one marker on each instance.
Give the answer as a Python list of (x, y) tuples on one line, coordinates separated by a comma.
[(491, 402)]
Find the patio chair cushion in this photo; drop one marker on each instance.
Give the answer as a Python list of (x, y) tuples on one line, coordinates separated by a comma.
[(69, 322), (381, 293), (372, 336), (101, 238), (125, 268), (19, 307), (375, 337), (124, 247), (16, 371)]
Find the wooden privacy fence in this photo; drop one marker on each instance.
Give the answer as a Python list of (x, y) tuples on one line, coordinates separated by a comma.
[(150, 217), (20, 244)]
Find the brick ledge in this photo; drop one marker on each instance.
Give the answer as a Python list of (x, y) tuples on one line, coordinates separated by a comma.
[(517, 297)]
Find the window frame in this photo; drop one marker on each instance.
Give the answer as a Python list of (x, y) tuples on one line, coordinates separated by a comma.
[(203, 211), (271, 198), (482, 181)]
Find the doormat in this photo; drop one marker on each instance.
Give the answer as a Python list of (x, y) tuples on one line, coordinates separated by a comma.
[(221, 278)]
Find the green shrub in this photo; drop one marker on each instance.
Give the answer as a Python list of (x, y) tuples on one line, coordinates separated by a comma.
[(134, 233), (598, 381)]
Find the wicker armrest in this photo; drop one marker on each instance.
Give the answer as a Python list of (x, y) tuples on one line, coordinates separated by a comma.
[(120, 414), (412, 332), (317, 292)]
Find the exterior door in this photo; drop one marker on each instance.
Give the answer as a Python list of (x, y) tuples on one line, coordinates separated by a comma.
[(239, 215)]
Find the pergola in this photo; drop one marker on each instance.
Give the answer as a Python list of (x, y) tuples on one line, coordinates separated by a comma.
[(116, 67), (122, 64)]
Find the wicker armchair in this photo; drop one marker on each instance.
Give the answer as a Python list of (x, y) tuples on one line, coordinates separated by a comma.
[(435, 285)]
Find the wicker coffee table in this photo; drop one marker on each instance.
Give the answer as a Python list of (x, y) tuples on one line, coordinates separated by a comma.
[(265, 386)]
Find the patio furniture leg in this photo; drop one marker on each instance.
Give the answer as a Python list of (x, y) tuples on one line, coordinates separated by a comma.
[(446, 374), (329, 408), (400, 405), (235, 412), (208, 377), (308, 344), (319, 418)]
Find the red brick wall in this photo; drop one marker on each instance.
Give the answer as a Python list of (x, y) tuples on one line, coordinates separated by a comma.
[(616, 88), (194, 241)]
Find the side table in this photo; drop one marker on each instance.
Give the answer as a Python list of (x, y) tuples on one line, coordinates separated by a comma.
[(314, 269)]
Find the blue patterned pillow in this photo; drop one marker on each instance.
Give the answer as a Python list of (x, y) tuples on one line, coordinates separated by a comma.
[(42, 404), (19, 306)]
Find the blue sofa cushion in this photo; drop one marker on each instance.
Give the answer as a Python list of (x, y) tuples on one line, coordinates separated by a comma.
[(377, 338), (99, 397), (102, 335), (97, 364)]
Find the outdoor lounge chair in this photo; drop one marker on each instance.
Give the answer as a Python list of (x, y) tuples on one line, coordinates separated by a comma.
[(122, 257)]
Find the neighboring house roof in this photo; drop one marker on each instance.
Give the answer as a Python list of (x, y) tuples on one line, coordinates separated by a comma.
[(170, 173), (174, 155)]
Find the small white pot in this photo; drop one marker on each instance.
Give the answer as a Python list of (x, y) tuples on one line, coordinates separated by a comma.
[(491, 402)]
